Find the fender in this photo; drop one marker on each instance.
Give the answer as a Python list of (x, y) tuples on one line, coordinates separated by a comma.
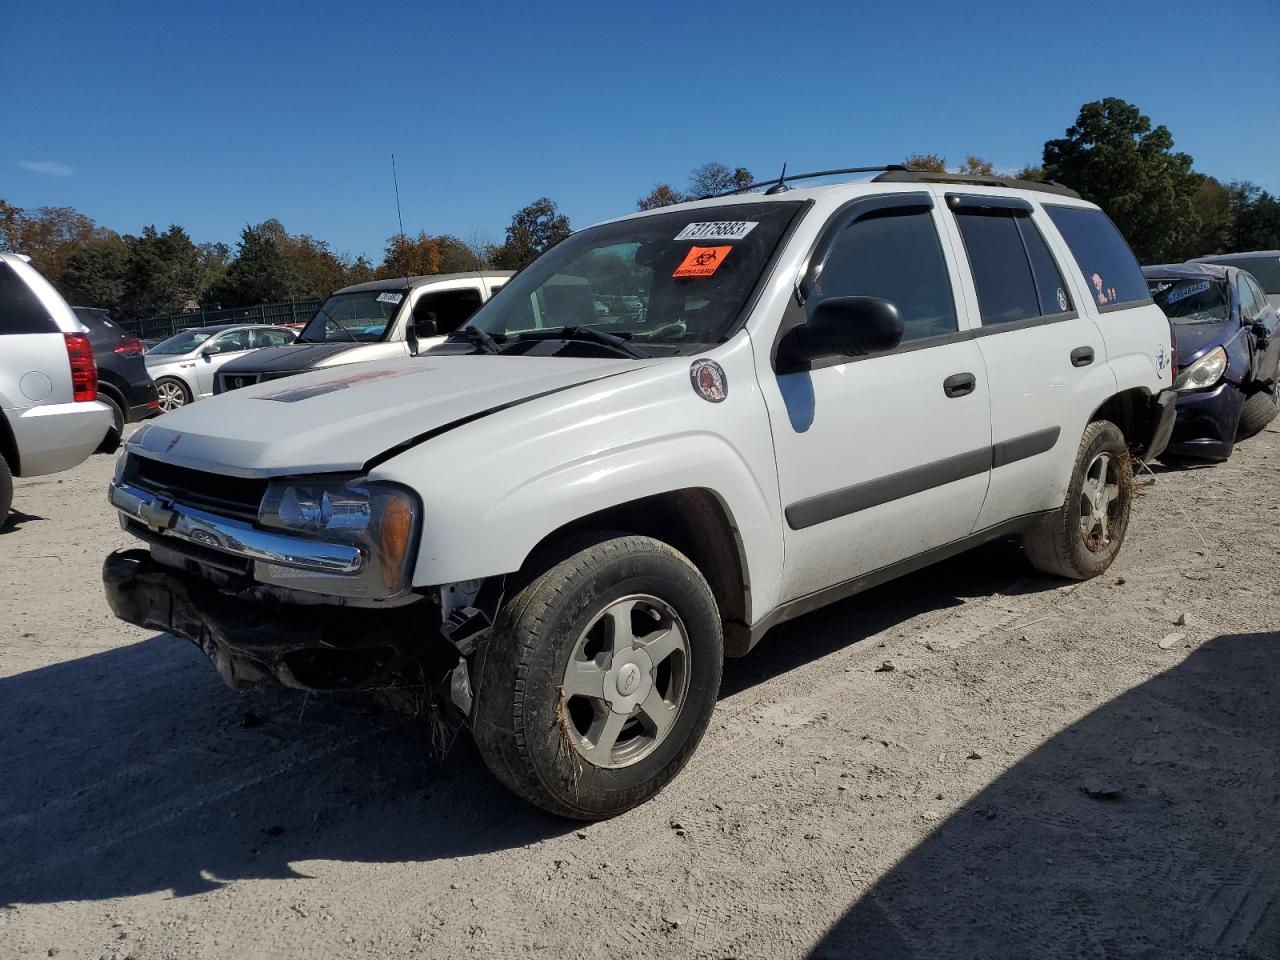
[(494, 488)]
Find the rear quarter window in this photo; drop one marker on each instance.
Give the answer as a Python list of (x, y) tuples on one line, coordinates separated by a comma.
[(20, 309), (1108, 266)]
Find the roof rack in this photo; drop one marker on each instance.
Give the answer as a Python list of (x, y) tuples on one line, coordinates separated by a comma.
[(906, 175), (775, 182)]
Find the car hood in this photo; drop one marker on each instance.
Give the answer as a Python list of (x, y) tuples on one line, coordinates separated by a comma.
[(340, 419), (1195, 339), (297, 356)]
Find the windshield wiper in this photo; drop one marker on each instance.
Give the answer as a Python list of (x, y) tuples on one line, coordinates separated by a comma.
[(481, 338), (619, 343), (350, 336)]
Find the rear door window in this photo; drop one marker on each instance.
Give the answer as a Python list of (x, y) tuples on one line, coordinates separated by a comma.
[(1102, 254), (445, 311), (1001, 271), (20, 309)]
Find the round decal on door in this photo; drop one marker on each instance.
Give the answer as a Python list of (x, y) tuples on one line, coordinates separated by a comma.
[(1062, 299), (709, 380)]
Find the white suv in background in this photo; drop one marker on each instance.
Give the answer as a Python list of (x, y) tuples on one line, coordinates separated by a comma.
[(564, 518), (50, 417)]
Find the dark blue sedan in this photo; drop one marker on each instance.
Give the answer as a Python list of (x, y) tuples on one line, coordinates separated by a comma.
[(1228, 352)]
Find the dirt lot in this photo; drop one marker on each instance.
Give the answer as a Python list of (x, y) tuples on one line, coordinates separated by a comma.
[(1047, 770)]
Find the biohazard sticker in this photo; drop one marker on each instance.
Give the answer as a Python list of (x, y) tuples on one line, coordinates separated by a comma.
[(709, 380), (717, 230), (702, 261)]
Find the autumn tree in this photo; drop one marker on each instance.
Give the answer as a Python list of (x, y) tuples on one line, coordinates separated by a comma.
[(534, 230), (663, 195), (1114, 156), (456, 256), (926, 163), (408, 256)]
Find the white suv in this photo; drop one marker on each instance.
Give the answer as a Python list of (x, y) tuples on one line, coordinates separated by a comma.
[(565, 517), (50, 417)]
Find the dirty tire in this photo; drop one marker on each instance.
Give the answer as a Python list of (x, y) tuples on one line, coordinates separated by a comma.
[(6, 491), (1258, 411), (519, 720), (1058, 546)]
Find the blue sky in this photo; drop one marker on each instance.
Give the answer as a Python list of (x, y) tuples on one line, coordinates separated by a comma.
[(214, 115)]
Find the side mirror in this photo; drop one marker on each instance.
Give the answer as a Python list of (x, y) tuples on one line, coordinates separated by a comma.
[(210, 350), (1260, 332), (845, 327), (411, 337)]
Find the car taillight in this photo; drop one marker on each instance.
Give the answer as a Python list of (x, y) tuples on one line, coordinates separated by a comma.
[(84, 372), (129, 347), (1173, 349)]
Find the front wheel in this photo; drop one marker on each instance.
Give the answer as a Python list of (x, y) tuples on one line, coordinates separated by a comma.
[(1258, 410), (172, 394), (599, 678), (1081, 538)]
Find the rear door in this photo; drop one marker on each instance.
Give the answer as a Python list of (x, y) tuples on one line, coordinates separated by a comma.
[(1045, 361), (1256, 309)]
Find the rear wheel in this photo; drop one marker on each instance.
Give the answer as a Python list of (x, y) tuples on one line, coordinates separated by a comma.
[(599, 678), (111, 442), (1082, 537), (6, 491), (1259, 410), (173, 394)]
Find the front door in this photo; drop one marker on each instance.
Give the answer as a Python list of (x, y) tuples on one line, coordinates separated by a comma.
[(883, 457)]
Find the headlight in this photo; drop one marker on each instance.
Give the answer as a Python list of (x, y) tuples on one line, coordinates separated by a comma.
[(1205, 372), (380, 518)]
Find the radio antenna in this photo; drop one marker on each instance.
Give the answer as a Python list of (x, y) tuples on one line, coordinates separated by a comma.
[(396, 183)]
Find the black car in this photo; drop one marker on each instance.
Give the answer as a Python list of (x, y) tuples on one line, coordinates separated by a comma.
[(123, 381), (1227, 352)]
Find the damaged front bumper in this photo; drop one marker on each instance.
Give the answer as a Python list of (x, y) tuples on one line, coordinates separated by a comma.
[(251, 641)]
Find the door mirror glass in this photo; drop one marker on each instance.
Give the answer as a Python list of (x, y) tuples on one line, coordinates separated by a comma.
[(210, 350), (845, 327)]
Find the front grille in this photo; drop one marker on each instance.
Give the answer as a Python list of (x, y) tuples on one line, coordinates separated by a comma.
[(215, 492), (234, 381)]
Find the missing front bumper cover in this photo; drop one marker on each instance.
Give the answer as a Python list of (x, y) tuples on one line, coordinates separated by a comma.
[(251, 642)]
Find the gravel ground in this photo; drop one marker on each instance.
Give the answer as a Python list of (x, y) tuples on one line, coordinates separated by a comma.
[(1048, 770)]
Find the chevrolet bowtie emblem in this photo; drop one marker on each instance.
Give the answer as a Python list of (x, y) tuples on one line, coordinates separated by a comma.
[(156, 514)]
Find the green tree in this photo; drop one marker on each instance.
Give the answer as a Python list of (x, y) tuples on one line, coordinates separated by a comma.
[(456, 256), (976, 166), (163, 274), (663, 195), (258, 274), (95, 275), (534, 230), (1114, 156), (1257, 223)]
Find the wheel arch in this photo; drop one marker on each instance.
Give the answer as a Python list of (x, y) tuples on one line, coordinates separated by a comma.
[(1130, 410), (695, 521)]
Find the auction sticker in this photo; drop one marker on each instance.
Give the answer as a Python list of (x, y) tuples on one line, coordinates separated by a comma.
[(717, 230), (390, 297), (702, 261)]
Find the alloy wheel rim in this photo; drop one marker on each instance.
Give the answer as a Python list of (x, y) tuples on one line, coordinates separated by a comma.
[(171, 397), (626, 682), (1100, 502)]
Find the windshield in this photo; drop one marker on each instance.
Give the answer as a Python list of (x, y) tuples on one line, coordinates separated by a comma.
[(672, 278), (362, 317), (1191, 301), (184, 342)]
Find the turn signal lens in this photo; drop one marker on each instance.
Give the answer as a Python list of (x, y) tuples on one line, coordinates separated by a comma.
[(394, 537)]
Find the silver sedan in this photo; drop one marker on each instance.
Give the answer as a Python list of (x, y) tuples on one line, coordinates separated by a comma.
[(183, 366)]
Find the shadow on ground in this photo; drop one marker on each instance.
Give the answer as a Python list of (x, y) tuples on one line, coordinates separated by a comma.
[(132, 771), (14, 521), (1180, 862)]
